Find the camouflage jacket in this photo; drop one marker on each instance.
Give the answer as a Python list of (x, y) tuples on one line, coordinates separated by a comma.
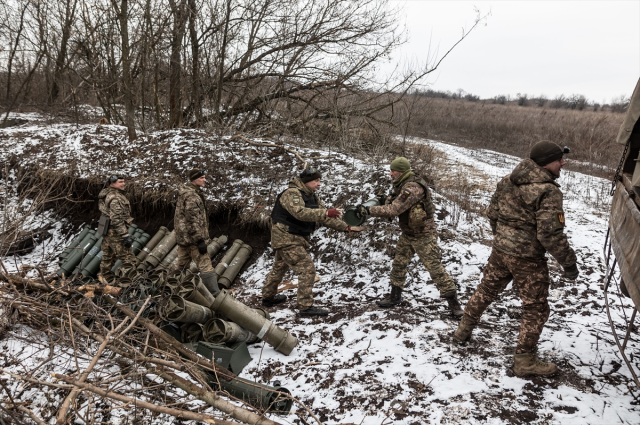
[(291, 201), (412, 205), (113, 203), (526, 215), (191, 221)]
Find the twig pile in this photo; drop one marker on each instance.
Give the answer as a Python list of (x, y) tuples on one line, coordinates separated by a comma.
[(119, 363)]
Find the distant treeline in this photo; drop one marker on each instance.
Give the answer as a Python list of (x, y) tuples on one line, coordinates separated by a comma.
[(575, 101)]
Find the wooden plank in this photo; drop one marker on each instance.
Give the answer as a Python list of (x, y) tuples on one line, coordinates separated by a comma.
[(624, 223), (626, 181)]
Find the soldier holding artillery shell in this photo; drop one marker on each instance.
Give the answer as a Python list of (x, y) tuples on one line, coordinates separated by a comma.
[(191, 223), (113, 226), (414, 208), (527, 220), (297, 212)]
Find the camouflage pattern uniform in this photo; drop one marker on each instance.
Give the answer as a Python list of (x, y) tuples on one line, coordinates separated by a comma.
[(415, 210), (191, 223), (291, 251), (115, 205), (527, 220)]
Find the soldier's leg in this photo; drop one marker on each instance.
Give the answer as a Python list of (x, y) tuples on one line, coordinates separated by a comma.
[(108, 256), (404, 254), (207, 272), (301, 263), (184, 257), (496, 277), (203, 261), (532, 280), (124, 254), (429, 253), (280, 267)]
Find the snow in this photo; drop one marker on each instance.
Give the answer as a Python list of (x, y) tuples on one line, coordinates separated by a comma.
[(365, 365)]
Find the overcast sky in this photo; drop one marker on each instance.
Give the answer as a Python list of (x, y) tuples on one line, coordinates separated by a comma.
[(534, 47)]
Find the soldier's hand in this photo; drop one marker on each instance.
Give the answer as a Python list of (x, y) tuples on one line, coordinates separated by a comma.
[(333, 213), (362, 211), (571, 272), (127, 242), (355, 229), (202, 247), (382, 199)]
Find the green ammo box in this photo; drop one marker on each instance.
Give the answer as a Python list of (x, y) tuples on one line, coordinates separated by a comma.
[(234, 358)]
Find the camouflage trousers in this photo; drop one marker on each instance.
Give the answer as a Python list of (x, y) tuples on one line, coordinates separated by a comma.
[(298, 259), (189, 253), (531, 281), (113, 249), (426, 246)]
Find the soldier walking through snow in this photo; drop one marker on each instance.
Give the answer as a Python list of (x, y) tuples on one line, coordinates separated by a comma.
[(414, 208), (114, 224), (527, 220), (297, 212), (191, 223)]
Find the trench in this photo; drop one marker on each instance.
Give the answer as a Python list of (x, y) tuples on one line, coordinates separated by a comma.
[(76, 199)]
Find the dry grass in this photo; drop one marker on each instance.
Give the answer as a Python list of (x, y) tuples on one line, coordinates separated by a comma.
[(514, 129)]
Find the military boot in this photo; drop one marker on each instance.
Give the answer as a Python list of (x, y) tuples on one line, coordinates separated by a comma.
[(210, 280), (454, 306), (529, 364), (463, 333), (270, 302), (394, 298), (313, 311)]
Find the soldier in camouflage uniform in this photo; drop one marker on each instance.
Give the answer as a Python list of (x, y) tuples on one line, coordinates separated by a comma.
[(116, 244), (414, 208), (191, 223), (527, 220), (295, 216)]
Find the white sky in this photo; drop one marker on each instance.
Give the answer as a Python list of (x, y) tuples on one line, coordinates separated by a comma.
[(534, 47)]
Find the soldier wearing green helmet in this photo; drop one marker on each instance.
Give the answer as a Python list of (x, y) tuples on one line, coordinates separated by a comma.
[(414, 208)]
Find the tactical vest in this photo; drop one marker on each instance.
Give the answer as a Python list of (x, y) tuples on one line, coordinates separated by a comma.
[(296, 227), (426, 203)]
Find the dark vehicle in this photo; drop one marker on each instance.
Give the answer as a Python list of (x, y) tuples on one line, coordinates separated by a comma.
[(622, 245)]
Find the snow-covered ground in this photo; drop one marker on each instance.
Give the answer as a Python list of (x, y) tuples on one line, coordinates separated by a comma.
[(364, 365)]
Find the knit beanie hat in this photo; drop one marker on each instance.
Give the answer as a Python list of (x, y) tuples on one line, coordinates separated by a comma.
[(545, 152), (310, 174), (195, 174), (400, 164)]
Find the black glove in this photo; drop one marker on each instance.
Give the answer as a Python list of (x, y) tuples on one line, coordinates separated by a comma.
[(362, 211), (127, 242), (571, 272), (202, 247), (382, 199)]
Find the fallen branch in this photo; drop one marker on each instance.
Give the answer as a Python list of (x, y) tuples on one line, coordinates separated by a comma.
[(62, 413), (212, 399), (180, 414), (91, 290)]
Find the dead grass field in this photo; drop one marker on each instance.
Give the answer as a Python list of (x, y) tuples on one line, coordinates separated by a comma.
[(514, 129)]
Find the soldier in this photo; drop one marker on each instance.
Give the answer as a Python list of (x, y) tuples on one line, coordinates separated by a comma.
[(295, 216), (413, 205), (116, 219), (527, 220), (191, 223)]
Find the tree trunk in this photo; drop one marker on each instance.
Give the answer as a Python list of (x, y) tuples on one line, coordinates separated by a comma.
[(70, 11), (123, 18), (178, 10), (195, 69)]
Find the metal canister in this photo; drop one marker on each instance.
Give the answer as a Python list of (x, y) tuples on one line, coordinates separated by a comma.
[(228, 257), (161, 250), (161, 233), (234, 268)]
